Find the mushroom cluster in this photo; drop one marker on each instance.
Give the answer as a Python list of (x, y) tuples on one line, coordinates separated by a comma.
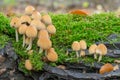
[(79, 46), (32, 25)]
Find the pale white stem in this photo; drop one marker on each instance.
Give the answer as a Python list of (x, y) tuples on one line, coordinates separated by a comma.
[(23, 40), (77, 54), (30, 44), (45, 52), (16, 35), (40, 50), (95, 56), (100, 58)]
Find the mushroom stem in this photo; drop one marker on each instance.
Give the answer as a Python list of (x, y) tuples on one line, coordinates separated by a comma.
[(95, 56), (77, 54), (100, 57), (30, 44), (45, 52), (40, 50), (16, 35), (23, 40)]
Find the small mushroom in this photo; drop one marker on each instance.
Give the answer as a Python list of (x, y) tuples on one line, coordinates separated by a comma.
[(76, 47), (31, 33), (38, 24), (28, 64), (29, 10), (36, 15), (22, 29), (25, 20), (92, 50), (52, 55), (51, 29), (83, 46), (46, 19), (101, 50), (15, 23), (106, 68)]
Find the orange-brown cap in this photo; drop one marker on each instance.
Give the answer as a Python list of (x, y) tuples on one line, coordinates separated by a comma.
[(92, 49), (22, 29), (75, 46), (44, 43), (52, 55), (36, 15), (83, 44), (51, 29), (101, 49), (106, 68), (15, 22), (29, 10), (28, 64), (25, 19), (43, 34), (46, 19), (31, 32), (38, 24)]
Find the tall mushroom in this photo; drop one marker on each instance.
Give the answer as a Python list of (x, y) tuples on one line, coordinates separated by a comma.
[(38, 24), (52, 55), (101, 50), (22, 29), (83, 46), (44, 41), (76, 47), (46, 19), (51, 29), (92, 50), (36, 15), (29, 10), (15, 23), (31, 33)]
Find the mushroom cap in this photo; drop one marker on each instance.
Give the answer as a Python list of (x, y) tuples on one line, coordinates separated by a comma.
[(31, 32), (27, 41), (44, 43), (28, 64), (75, 46), (52, 55), (46, 19), (101, 49), (15, 22), (36, 15), (25, 19), (43, 34), (92, 49), (83, 44), (51, 29), (22, 29), (106, 68), (29, 10), (38, 24)]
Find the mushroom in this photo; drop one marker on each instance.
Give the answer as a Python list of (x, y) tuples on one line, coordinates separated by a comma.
[(92, 50), (31, 33), (25, 20), (38, 24), (36, 15), (51, 29), (106, 68), (101, 50), (28, 64), (43, 41), (27, 41), (29, 10), (52, 55), (76, 47), (83, 46), (22, 29), (46, 19), (15, 23)]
